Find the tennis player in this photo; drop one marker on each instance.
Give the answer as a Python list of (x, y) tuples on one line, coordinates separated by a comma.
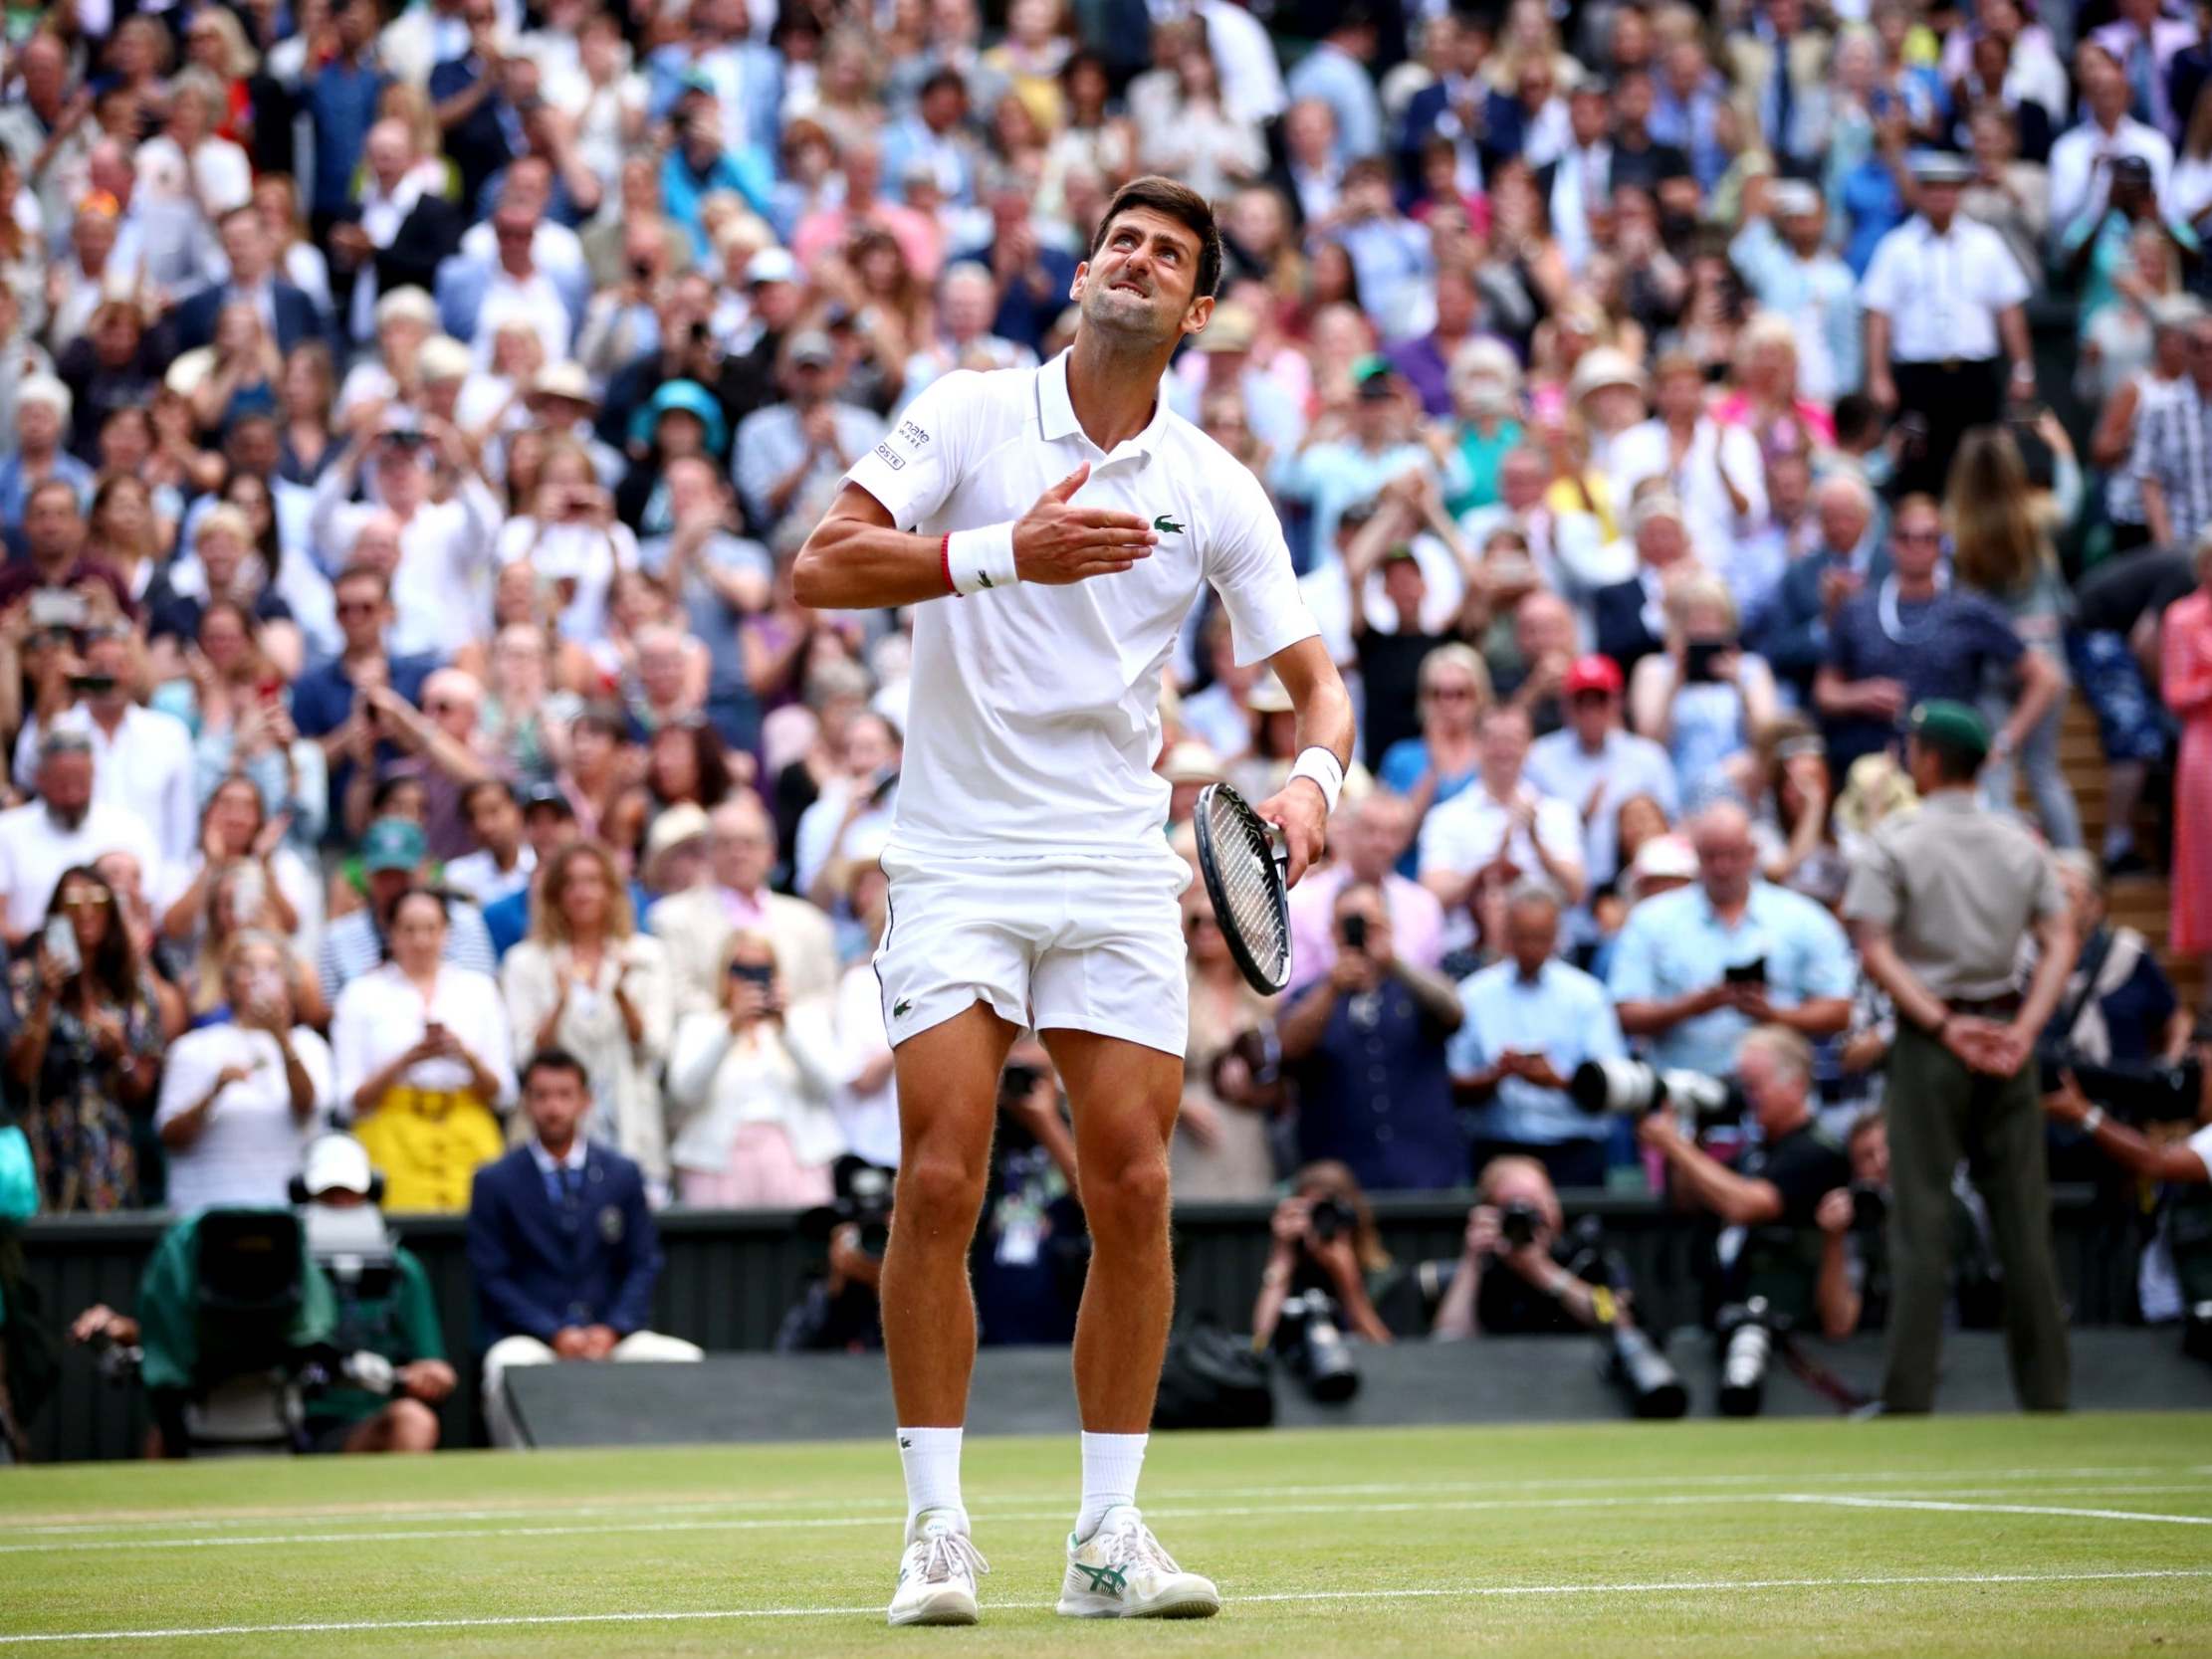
[(1053, 528)]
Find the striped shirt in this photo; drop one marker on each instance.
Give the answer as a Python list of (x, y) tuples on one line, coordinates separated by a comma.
[(352, 947), (2173, 448)]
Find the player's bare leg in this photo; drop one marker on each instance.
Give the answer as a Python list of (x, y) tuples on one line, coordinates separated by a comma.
[(1124, 1096), (948, 1104)]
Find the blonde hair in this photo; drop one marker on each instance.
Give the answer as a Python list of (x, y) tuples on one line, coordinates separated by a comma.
[(1787, 1048), (243, 59), (1456, 654), (1996, 545), (1695, 588), (550, 923), (224, 516)]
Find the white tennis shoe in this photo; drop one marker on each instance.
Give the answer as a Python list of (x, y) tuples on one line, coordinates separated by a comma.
[(1120, 1572), (937, 1574)]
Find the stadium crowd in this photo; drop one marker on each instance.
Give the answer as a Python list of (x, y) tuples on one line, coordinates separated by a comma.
[(409, 416)]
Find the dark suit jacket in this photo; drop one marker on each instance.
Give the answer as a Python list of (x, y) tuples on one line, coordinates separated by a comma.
[(540, 1266), (481, 144), (297, 318), (1788, 629), (1616, 617), (1503, 121)]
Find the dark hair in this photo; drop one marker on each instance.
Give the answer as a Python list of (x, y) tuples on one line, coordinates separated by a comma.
[(358, 571), (387, 786), (268, 544), (114, 967), (1177, 202), (45, 484), (1857, 417), (707, 758), (500, 785), (413, 889), (553, 1059), (1955, 763)]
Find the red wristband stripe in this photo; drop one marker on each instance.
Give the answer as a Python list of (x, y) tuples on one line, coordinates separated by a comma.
[(945, 562)]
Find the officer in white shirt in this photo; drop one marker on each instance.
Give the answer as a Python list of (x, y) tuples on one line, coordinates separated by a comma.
[(1945, 298), (1053, 528)]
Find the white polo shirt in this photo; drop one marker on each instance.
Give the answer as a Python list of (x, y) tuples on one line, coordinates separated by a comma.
[(34, 850), (1035, 711), (1942, 293)]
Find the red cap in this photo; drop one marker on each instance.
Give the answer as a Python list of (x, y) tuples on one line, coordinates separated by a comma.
[(1592, 674)]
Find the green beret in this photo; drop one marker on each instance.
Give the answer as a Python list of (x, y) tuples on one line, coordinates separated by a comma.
[(1952, 725)]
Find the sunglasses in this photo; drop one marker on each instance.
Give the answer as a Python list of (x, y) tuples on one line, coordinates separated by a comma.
[(1449, 693)]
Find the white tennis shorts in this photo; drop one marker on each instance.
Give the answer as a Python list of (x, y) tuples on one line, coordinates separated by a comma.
[(1053, 942)]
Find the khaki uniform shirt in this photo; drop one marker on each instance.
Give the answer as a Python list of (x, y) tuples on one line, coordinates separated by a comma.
[(1958, 888)]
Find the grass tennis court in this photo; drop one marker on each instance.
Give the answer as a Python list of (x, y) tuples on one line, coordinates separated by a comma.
[(1999, 1536)]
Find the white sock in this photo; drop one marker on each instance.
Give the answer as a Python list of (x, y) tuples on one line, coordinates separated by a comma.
[(1110, 1466), (931, 1458)]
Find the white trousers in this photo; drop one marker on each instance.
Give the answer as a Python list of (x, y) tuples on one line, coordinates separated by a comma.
[(639, 1348)]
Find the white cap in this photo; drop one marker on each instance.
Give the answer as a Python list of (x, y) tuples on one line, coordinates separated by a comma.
[(47, 389), (408, 303), (337, 1163)]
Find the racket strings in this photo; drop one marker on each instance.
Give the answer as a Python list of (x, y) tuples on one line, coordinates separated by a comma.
[(1249, 883)]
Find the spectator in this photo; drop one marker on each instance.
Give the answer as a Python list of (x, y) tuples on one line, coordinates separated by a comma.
[(1694, 969), (1373, 830), (422, 1061), (393, 859), (237, 833), (61, 828), (587, 982), (504, 861), (1452, 692), (2186, 685), (85, 1055), (2173, 435), (754, 1081), (798, 448), (1530, 1020), (562, 1246), (1365, 1045), (1791, 628), (239, 1101), (1335, 73), (1913, 639), (1501, 827), (1629, 617), (697, 925), (1704, 698), (1347, 1264), (1596, 766)]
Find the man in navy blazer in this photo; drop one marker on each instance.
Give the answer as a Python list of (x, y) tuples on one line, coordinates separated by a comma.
[(284, 310), (562, 1246)]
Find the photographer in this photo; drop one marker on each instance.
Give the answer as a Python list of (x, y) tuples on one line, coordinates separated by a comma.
[(1773, 1245), (840, 1311), (1033, 1251), (2174, 1279), (1326, 1241), (1366, 1045), (1515, 1226)]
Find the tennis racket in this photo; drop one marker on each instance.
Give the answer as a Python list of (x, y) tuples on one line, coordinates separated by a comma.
[(1244, 863)]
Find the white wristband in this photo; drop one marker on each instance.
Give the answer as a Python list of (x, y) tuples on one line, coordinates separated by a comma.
[(979, 559), (1324, 768)]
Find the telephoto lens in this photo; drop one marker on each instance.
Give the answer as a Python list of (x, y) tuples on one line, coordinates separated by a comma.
[(1318, 1355), (1635, 1362), (1746, 1344)]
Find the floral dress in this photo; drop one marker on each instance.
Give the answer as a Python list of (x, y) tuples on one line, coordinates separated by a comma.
[(93, 1152)]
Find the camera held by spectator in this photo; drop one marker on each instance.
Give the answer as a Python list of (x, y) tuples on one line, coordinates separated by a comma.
[(1329, 1277)]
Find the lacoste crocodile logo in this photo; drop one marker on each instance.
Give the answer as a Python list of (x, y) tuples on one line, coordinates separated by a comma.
[(899, 1010), (1167, 525)]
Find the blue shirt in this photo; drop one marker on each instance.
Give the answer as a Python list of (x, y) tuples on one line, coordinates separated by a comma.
[(342, 100), (1564, 1015), (1405, 765), (1374, 1094), (1673, 944), (1627, 766), (1949, 646)]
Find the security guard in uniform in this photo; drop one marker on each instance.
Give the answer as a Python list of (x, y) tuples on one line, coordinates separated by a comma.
[(1938, 903)]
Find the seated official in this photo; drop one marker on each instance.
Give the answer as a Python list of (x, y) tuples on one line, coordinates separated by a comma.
[(562, 1245), (1531, 1019), (1771, 1244)]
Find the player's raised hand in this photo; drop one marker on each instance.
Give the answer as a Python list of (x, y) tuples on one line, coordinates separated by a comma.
[(1057, 543)]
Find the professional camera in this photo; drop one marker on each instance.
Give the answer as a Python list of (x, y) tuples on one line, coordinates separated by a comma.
[(1311, 1341), (864, 1192), (1632, 1089), (1870, 1206), (1517, 1222), (1329, 1218), (1631, 1360), (2152, 1092), (1746, 1336)]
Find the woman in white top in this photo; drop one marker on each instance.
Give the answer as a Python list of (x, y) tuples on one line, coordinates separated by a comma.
[(756, 1080), (586, 980), (423, 1062), (240, 1101)]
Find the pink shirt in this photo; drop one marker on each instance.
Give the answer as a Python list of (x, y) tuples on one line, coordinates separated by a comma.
[(1416, 923)]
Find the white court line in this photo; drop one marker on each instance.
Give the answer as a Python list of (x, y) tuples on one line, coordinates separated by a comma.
[(1840, 1501), (73, 1525), (1171, 1512), (1674, 1586)]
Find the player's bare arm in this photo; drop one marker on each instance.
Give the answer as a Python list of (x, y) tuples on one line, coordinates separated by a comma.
[(1316, 690), (858, 559)]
